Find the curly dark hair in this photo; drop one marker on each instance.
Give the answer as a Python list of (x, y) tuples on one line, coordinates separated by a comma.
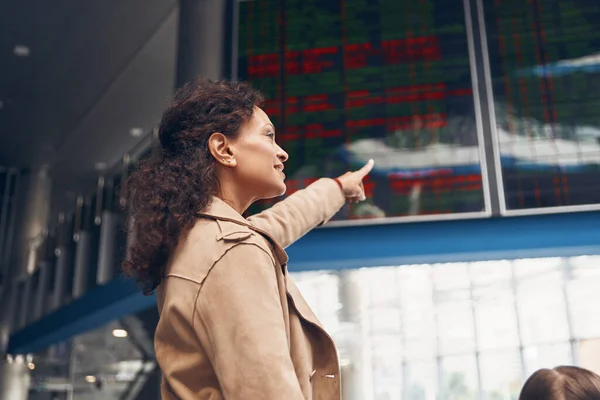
[(166, 191)]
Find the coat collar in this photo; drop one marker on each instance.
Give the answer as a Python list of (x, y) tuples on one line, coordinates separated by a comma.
[(218, 209), (221, 211)]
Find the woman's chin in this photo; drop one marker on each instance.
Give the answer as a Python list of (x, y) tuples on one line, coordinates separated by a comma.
[(277, 190), (281, 189)]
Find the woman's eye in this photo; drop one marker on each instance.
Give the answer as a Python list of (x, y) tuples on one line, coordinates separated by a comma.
[(271, 135)]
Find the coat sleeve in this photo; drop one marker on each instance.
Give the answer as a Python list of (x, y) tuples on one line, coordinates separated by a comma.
[(239, 321), (290, 219)]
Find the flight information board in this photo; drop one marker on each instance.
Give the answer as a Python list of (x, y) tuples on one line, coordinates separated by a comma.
[(350, 80), (545, 65)]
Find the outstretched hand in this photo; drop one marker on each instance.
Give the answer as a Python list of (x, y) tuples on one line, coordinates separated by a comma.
[(352, 182)]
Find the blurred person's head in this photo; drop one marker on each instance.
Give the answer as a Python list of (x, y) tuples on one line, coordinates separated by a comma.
[(214, 140), (562, 383)]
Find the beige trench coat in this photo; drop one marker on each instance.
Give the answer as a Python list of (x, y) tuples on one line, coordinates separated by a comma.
[(233, 325)]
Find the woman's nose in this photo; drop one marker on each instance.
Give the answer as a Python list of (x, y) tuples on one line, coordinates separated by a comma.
[(281, 154)]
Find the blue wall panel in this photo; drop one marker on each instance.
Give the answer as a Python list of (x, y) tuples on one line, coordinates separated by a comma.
[(353, 247), (448, 241)]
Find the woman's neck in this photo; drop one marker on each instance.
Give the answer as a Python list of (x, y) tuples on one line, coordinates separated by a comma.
[(234, 198)]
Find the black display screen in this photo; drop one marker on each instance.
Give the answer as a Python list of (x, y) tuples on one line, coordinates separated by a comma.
[(350, 80), (545, 66)]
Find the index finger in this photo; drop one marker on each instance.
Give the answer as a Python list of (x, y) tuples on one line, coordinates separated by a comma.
[(364, 171)]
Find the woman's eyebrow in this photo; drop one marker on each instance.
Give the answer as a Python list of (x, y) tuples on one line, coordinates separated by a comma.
[(269, 125)]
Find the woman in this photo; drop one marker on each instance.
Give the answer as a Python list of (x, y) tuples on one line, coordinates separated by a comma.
[(562, 383), (232, 323)]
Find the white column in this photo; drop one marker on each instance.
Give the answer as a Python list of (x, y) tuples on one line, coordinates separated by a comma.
[(357, 374), (14, 379)]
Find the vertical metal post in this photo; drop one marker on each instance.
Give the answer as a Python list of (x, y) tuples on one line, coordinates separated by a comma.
[(4, 214), (82, 263), (108, 247), (17, 293), (24, 316), (480, 392), (12, 221), (9, 321), (45, 266), (83, 238), (50, 264), (567, 276), (63, 259), (42, 290), (108, 235), (515, 291), (8, 290), (439, 360), (403, 339)]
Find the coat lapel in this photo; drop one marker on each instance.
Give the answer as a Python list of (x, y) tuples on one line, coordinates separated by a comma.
[(219, 210)]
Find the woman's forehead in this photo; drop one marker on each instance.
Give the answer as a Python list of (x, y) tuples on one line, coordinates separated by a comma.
[(257, 122), (259, 119), (260, 116)]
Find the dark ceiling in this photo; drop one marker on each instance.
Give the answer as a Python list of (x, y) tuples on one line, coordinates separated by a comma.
[(95, 70)]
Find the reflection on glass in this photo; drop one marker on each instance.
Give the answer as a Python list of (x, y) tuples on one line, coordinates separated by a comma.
[(455, 327), (382, 285), (419, 335), (460, 378), (387, 360), (545, 66), (542, 310), (457, 331), (421, 380), (501, 375), (348, 81), (415, 287), (547, 356), (495, 318), (386, 320), (584, 298), (491, 273), (451, 276), (541, 268)]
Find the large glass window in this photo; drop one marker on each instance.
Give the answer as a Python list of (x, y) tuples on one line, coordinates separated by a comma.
[(454, 331)]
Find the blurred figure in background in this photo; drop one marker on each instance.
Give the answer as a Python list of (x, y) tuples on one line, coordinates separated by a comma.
[(562, 383)]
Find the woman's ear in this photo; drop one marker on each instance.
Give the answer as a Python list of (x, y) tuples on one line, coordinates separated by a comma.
[(220, 148)]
